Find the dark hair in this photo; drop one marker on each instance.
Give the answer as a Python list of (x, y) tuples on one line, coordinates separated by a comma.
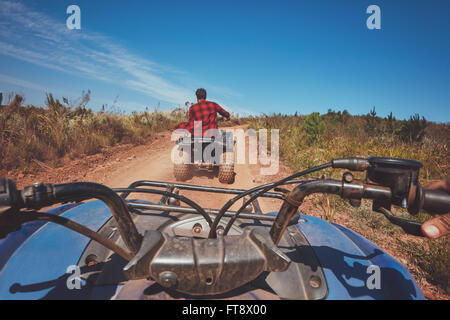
[(201, 94)]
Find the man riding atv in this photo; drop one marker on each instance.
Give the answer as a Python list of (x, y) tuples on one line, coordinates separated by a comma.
[(204, 113), (205, 137)]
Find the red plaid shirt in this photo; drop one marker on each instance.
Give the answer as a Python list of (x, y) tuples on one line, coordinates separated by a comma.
[(206, 112)]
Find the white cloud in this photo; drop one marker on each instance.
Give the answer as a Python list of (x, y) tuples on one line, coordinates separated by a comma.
[(36, 38)]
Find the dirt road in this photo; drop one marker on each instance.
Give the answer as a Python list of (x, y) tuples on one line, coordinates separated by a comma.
[(156, 164), (120, 166)]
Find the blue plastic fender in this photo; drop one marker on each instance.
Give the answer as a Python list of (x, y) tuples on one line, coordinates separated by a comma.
[(346, 256), (43, 252), (34, 260)]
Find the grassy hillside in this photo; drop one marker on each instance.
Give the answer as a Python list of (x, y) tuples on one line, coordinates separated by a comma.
[(309, 140)]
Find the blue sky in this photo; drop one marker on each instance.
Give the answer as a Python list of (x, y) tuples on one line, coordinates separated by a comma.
[(251, 56)]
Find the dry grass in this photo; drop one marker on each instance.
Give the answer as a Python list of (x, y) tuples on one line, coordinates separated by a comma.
[(29, 134), (348, 136)]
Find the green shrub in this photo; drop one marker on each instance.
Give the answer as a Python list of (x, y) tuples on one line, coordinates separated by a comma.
[(373, 123), (314, 127), (413, 130)]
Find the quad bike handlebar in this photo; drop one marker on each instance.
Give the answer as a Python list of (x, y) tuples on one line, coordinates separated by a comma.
[(433, 201), (41, 195), (209, 268), (389, 181), (222, 118)]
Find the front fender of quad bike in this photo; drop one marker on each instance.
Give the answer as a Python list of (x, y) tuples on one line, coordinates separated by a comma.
[(354, 267), (35, 260)]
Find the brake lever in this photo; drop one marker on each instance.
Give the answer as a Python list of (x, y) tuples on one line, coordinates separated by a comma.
[(409, 226)]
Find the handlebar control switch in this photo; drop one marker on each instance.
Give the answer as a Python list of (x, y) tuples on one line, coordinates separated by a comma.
[(400, 175), (38, 195)]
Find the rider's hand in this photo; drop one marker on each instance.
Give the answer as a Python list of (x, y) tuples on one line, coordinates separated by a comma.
[(438, 226)]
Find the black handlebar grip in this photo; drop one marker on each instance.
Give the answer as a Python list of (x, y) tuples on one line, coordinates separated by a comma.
[(436, 201)]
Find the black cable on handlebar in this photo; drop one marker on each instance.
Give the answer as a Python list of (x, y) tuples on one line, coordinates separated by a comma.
[(169, 194), (72, 225), (265, 188)]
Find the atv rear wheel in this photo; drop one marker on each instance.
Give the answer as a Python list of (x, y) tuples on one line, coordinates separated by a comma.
[(183, 170), (226, 169)]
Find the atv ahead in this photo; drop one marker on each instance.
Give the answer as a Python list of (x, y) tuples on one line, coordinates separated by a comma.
[(213, 154), (120, 248)]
